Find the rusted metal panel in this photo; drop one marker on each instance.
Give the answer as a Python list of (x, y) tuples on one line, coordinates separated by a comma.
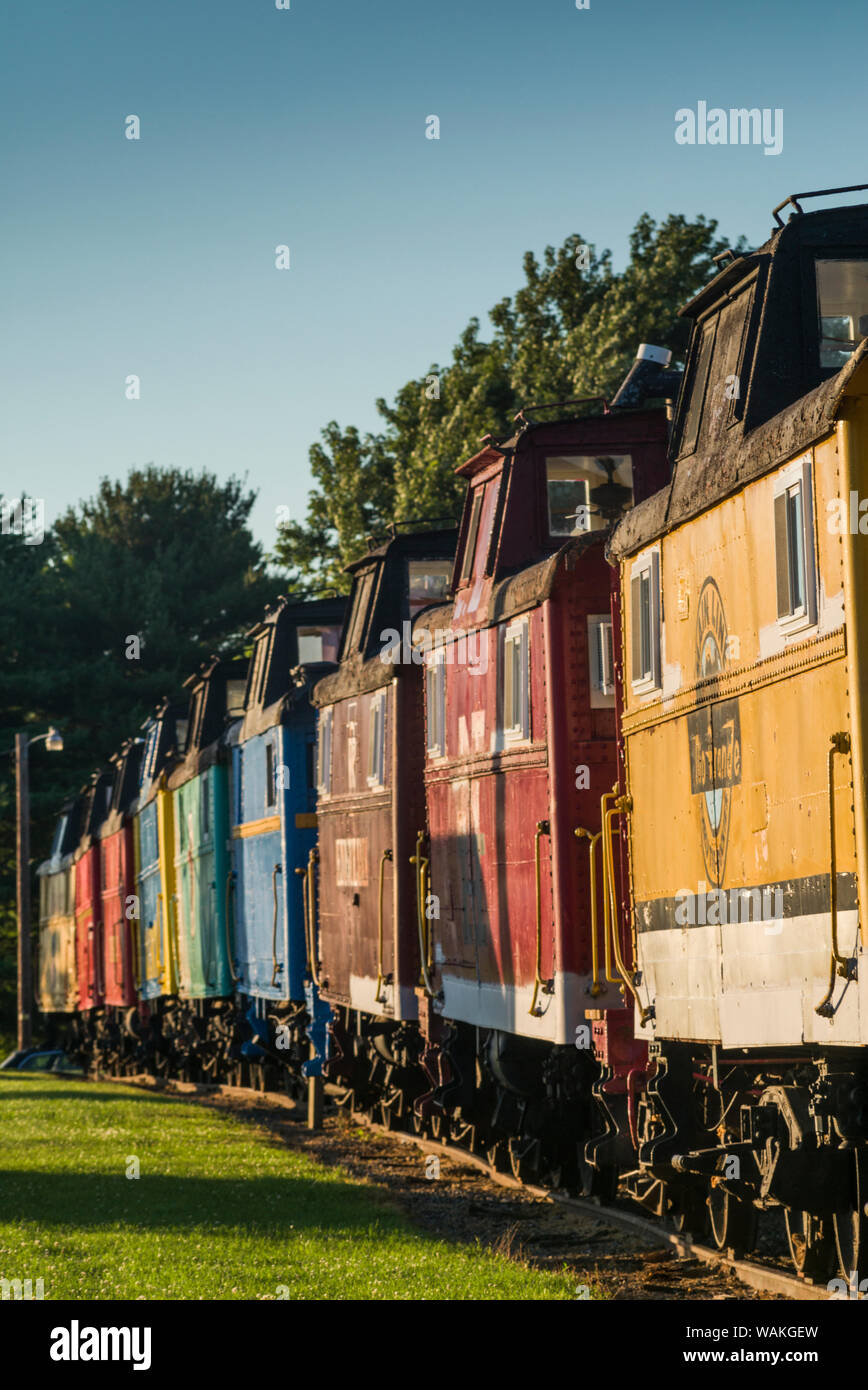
[(88, 945)]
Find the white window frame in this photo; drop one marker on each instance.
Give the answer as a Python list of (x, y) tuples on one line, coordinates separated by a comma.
[(324, 752), (649, 682), (512, 634), (435, 704), (377, 740), (601, 660), (798, 475)]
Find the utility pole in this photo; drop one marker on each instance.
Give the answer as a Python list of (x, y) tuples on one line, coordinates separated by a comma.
[(54, 743), (22, 849)]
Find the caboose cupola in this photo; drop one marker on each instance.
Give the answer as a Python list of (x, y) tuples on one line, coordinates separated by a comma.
[(774, 325)]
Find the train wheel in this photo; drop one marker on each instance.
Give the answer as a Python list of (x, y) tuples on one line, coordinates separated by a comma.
[(850, 1225), (733, 1221), (812, 1247)]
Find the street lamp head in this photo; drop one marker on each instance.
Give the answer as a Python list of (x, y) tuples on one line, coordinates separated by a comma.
[(54, 741)]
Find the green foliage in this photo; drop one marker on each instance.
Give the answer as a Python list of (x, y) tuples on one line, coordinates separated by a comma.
[(219, 1211), (566, 333)]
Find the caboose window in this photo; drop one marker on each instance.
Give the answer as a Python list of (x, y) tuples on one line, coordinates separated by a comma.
[(150, 758), (270, 780), (842, 307), (793, 547), (645, 623), (583, 491), (235, 698), (697, 388), (377, 740), (358, 620), (259, 663), (472, 533), (601, 656), (435, 704), (59, 836), (324, 753), (516, 682), (428, 582)]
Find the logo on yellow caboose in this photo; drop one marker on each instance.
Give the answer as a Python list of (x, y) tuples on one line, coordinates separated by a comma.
[(714, 735)]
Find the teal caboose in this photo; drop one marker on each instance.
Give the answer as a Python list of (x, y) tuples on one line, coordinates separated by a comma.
[(198, 786)]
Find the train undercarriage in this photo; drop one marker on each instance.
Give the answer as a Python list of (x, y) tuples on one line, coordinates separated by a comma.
[(723, 1137), (704, 1140)]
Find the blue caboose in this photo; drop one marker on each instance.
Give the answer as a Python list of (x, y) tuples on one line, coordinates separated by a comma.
[(273, 832)]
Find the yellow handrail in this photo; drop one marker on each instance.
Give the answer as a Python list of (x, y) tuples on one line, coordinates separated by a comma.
[(161, 963), (622, 805), (547, 986), (596, 987), (381, 979), (838, 964), (425, 962)]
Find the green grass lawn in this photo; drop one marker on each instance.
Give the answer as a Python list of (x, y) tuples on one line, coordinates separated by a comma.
[(218, 1210)]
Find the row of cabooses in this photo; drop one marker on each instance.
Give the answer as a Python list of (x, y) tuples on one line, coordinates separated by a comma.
[(172, 874), (192, 885)]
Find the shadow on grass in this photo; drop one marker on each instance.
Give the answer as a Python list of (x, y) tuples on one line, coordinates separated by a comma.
[(277, 1205), (19, 1088)]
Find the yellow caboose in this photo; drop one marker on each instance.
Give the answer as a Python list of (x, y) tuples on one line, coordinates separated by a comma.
[(743, 591)]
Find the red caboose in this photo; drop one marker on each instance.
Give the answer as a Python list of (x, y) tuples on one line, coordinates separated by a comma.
[(118, 880), (520, 748), (88, 902)]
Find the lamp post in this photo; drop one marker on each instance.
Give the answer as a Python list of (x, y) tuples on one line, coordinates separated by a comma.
[(54, 744)]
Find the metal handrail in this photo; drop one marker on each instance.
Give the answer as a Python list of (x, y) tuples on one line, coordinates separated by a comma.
[(175, 940), (381, 978), (308, 893), (596, 987), (422, 866), (278, 869), (161, 961), (230, 883), (838, 964), (543, 827), (621, 805), (817, 193)]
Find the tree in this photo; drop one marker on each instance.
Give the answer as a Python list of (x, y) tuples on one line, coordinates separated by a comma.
[(155, 573), (567, 332)]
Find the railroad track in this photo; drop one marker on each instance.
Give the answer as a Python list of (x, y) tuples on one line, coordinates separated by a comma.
[(752, 1273), (763, 1278)]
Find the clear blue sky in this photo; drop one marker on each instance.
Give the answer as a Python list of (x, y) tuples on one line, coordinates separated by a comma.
[(307, 127)]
